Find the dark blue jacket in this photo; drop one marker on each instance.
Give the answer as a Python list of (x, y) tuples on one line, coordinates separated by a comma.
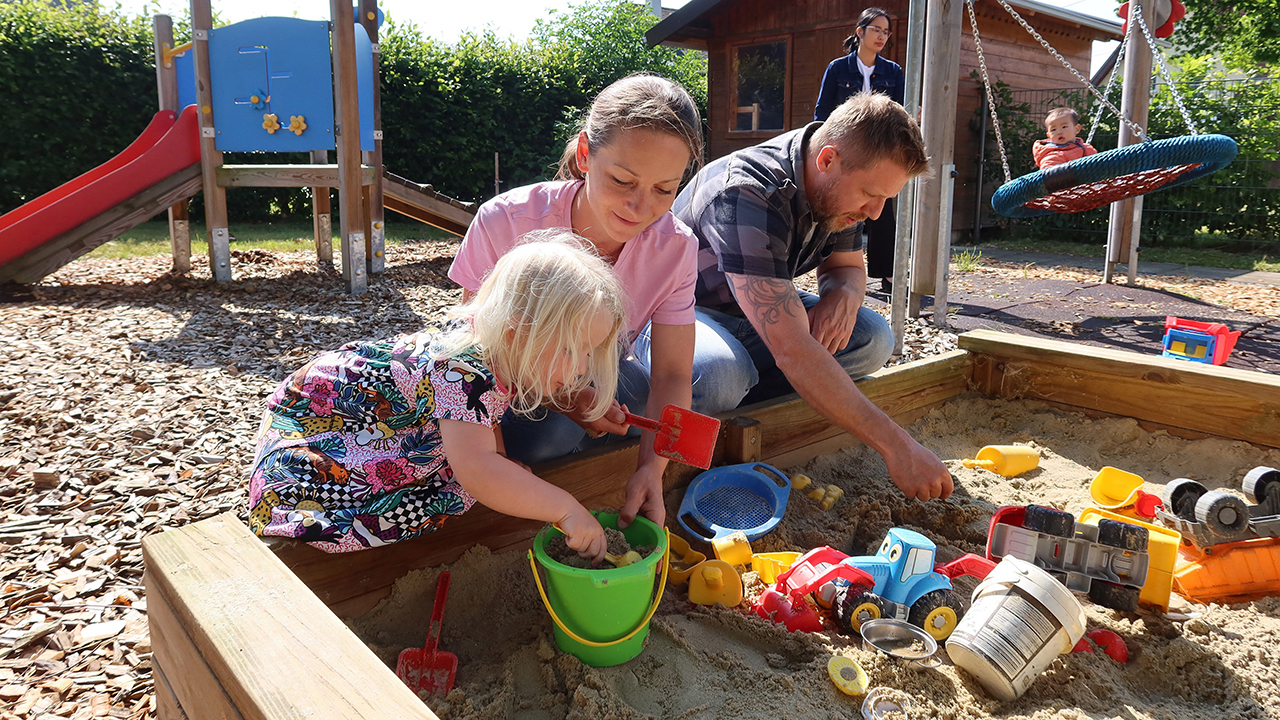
[(843, 79)]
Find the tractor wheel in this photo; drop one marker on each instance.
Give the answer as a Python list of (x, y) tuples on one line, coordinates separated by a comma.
[(1261, 482), (856, 604), (1122, 535), (1116, 597), (1050, 521), (1180, 496), (938, 612), (1224, 515)]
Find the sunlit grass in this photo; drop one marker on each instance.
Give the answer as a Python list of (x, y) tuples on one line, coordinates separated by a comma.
[(152, 238)]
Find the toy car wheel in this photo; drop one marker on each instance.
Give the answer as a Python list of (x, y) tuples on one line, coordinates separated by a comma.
[(1122, 535), (1261, 482), (856, 604), (938, 612), (1051, 521), (1223, 515), (1116, 597), (1180, 496)]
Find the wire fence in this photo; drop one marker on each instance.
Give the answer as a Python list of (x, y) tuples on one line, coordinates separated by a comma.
[(1236, 209)]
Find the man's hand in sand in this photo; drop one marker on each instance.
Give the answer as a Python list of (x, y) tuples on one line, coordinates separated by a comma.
[(918, 473)]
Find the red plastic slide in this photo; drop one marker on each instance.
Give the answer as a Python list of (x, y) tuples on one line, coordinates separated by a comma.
[(170, 143)]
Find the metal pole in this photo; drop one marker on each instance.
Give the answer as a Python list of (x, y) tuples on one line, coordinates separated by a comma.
[(1136, 226), (948, 188), (907, 198), (1135, 103)]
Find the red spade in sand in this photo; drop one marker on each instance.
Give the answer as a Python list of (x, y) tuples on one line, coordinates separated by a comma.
[(428, 668)]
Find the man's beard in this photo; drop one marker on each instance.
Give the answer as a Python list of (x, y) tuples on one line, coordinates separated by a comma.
[(826, 213)]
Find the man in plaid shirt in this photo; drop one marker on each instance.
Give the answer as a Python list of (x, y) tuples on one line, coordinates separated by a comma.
[(768, 214)]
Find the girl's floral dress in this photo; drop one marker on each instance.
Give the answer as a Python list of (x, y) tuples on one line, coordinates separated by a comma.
[(349, 454)]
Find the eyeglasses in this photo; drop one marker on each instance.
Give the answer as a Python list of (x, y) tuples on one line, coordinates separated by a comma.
[(882, 32)]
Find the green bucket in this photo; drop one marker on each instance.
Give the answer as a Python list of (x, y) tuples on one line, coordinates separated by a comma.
[(601, 615)]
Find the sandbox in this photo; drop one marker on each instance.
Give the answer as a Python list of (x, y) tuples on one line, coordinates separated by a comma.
[(708, 663), (236, 634)]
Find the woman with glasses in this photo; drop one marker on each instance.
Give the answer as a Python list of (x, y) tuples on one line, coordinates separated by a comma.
[(863, 70)]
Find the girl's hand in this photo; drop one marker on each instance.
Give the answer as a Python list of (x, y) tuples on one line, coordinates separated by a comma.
[(584, 534), (613, 420), (644, 494)]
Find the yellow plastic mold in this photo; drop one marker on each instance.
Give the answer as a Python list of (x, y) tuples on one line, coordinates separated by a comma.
[(715, 581), (682, 559), (847, 675), (770, 565)]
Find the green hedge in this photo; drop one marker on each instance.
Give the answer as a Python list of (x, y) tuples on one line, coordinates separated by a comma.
[(86, 78)]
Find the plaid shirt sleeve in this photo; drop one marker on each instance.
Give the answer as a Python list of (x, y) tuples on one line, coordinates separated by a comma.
[(750, 234), (849, 240)]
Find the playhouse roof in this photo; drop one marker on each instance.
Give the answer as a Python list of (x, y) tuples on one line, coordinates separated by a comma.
[(680, 22)]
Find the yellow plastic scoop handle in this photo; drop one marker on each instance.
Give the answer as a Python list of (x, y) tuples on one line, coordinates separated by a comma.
[(631, 556), (984, 464)]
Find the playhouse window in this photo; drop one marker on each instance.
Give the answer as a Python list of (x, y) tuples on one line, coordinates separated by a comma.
[(760, 84)]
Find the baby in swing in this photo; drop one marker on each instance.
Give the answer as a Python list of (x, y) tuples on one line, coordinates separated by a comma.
[(1062, 126)]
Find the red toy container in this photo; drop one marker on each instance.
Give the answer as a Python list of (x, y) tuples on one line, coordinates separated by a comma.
[(1220, 339)]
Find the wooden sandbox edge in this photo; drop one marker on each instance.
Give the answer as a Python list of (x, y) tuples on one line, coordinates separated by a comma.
[(1208, 399), (236, 635)]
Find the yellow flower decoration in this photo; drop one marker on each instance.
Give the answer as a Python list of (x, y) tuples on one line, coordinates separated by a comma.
[(297, 123), (270, 123)]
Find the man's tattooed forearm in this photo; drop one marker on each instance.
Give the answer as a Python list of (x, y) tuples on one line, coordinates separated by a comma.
[(766, 300)]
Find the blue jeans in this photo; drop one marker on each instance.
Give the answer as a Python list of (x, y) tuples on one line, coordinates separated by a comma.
[(732, 365), (549, 434)]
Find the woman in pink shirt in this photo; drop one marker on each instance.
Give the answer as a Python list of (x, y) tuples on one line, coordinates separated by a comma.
[(617, 181)]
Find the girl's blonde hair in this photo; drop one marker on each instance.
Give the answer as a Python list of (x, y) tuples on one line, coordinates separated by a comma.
[(543, 295), (637, 101)]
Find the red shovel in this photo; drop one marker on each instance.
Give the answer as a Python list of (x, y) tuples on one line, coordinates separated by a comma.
[(428, 668), (683, 435)]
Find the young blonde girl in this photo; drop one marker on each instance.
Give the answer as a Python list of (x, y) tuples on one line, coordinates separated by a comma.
[(378, 442)]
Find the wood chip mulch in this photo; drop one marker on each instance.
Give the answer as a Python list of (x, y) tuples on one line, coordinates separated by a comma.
[(128, 405)]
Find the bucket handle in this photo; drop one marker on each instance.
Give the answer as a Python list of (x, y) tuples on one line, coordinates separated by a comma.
[(662, 585)]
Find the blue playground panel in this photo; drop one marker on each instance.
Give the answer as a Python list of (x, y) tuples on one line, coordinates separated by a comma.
[(364, 88), (280, 66), (185, 67)]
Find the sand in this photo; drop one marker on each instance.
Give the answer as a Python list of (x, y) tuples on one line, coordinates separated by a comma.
[(1196, 662)]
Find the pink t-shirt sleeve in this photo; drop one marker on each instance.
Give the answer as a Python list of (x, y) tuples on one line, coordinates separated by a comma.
[(489, 238), (677, 307)]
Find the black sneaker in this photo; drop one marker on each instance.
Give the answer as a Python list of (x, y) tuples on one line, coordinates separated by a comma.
[(886, 286)]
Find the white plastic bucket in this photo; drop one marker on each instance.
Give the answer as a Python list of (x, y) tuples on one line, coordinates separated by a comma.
[(1020, 620)]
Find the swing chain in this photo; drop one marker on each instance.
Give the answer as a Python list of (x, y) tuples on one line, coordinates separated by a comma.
[(1045, 44), (1164, 71), (991, 101), (1106, 92)]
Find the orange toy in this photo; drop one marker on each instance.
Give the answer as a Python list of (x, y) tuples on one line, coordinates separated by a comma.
[(1229, 572)]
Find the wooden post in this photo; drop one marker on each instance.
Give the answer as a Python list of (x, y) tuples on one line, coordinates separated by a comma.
[(377, 207), (321, 214), (167, 91), (1126, 215), (347, 130), (742, 441), (907, 198), (215, 196), (941, 80)]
